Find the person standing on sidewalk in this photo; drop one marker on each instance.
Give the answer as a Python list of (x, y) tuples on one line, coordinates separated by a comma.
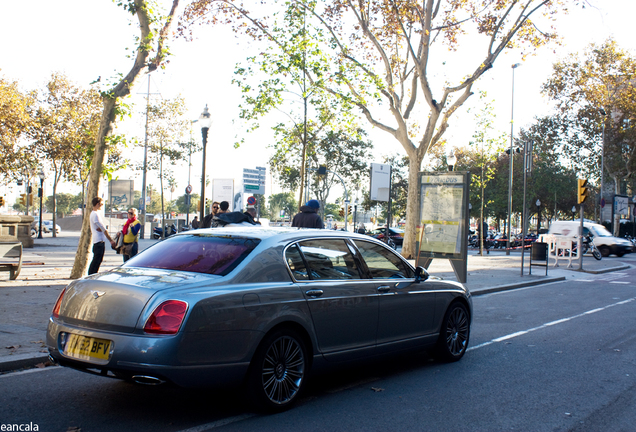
[(131, 232), (308, 216), (100, 235)]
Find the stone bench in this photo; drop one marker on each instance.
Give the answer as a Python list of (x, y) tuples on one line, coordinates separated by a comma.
[(11, 259)]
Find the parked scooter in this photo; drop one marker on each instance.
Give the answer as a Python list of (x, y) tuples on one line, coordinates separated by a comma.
[(157, 232)]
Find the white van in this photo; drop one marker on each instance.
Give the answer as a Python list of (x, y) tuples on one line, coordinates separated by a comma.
[(603, 239)]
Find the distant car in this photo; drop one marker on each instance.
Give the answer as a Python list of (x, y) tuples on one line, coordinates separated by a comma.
[(47, 227), (396, 234), (259, 306)]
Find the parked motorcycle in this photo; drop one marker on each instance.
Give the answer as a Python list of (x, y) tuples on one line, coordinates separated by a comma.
[(157, 232), (588, 245)]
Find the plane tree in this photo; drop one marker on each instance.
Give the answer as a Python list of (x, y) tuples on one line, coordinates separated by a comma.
[(166, 128), (595, 97), (382, 57), (65, 115), (15, 119), (150, 54)]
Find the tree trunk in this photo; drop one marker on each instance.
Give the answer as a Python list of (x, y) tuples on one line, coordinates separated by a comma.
[(105, 127), (412, 206)]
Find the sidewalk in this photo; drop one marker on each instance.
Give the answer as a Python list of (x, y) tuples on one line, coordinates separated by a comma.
[(26, 303)]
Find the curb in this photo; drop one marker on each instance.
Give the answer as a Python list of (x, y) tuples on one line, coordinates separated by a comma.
[(516, 285), (22, 362), (624, 267)]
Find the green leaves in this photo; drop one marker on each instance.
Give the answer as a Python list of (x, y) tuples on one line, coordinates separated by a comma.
[(595, 96)]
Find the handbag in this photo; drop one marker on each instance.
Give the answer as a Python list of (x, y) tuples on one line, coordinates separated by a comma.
[(119, 241), (126, 249)]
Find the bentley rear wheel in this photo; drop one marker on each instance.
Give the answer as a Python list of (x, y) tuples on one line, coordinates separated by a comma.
[(278, 371)]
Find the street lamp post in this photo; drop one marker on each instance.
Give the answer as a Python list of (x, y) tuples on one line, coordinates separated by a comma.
[(512, 125), (41, 193), (206, 121), (189, 194), (538, 203), (602, 200)]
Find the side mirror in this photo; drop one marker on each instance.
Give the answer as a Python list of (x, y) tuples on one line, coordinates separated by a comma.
[(420, 274)]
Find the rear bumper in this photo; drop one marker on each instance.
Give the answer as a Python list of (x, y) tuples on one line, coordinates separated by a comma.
[(160, 358)]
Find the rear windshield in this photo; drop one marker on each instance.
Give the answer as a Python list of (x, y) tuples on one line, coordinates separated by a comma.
[(215, 255)]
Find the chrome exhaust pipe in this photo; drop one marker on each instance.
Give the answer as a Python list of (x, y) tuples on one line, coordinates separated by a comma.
[(147, 380)]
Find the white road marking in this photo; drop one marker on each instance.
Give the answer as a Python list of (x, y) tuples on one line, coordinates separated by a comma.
[(620, 282), (219, 423), (543, 326)]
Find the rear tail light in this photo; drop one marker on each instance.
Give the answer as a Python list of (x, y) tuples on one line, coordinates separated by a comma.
[(58, 304), (166, 318)]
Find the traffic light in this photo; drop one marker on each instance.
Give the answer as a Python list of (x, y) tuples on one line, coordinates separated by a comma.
[(1, 201), (341, 212), (30, 197), (349, 210), (23, 199), (582, 191)]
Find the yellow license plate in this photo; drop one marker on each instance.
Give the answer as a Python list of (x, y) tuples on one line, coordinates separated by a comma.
[(87, 348)]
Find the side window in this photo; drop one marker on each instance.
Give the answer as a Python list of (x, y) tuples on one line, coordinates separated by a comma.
[(329, 259), (296, 263), (382, 263)]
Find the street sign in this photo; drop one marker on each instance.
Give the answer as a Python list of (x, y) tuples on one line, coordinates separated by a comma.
[(254, 180), (251, 200), (189, 189)]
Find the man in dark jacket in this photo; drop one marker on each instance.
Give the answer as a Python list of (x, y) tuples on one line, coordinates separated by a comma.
[(308, 216)]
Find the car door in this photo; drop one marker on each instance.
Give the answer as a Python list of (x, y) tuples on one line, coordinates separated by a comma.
[(406, 307), (343, 305)]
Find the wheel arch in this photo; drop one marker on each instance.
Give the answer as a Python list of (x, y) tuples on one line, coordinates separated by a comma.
[(298, 328)]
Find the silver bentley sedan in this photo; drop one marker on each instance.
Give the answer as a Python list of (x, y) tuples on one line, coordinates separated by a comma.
[(254, 306)]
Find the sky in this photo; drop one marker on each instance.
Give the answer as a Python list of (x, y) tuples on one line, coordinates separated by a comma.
[(88, 39)]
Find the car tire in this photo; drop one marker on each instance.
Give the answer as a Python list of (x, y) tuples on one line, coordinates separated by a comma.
[(605, 252), (278, 371), (454, 333)]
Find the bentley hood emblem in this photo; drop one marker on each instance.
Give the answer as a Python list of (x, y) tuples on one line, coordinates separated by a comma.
[(97, 294)]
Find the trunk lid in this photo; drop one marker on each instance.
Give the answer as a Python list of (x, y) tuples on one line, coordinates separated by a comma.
[(115, 300)]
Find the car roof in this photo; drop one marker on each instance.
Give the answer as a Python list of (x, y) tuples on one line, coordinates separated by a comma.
[(277, 234)]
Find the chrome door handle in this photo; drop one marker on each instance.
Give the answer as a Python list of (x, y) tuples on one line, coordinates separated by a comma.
[(314, 293), (384, 289)]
